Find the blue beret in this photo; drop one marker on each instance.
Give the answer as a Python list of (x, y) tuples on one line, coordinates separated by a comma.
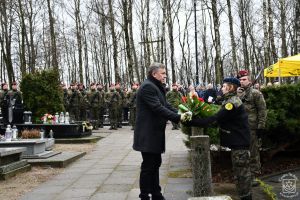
[(232, 80)]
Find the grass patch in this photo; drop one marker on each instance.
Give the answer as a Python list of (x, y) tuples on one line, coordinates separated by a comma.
[(184, 173), (268, 190)]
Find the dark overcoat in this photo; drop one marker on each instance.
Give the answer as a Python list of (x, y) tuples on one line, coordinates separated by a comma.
[(153, 112)]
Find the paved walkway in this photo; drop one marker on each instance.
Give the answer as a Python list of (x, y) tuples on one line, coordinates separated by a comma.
[(111, 171)]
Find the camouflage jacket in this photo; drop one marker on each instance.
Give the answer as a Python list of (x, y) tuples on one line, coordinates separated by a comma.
[(75, 98), (174, 98), (3, 97), (255, 106), (101, 98), (131, 96), (16, 96), (122, 98), (93, 97), (113, 99)]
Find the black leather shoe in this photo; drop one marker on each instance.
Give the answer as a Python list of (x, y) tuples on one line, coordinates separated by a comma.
[(158, 197), (249, 197)]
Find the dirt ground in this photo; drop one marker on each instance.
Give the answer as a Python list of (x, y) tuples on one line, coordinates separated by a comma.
[(15, 187)]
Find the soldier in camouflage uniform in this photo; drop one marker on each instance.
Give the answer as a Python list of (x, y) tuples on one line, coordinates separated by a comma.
[(131, 96), (16, 101), (4, 100), (65, 96), (234, 133), (255, 106), (83, 107), (101, 105), (75, 99), (112, 100), (93, 98), (122, 102), (174, 98)]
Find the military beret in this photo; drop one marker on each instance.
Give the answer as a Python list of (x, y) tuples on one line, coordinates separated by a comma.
[(174, 84), (242, 73), (14, 83), (232, 80), (92, 84), (2, 84)]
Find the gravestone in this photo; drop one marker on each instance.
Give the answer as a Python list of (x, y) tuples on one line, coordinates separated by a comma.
[(35, 148), (11, 163), (201, 166)]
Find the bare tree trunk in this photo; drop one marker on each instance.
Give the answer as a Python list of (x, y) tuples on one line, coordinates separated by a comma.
[(86, 57), (271, 32), (52, 37), (23, 36), (217, 43), (205, 54), (6, 37), (135, 63), (79, 38), (266, 36), (171, 39), (284, 52), (242, 13), (297, 27), (182, 43), (115, 42), (127, 39), (32, 55), (232, 39), (147, 33)]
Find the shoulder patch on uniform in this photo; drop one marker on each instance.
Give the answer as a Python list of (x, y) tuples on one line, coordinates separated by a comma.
[(228, 106)]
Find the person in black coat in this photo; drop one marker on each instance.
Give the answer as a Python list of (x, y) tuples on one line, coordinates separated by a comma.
[(234, 133), (152, 114)]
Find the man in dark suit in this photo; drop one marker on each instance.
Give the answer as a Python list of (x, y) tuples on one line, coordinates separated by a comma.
[(153, 112)]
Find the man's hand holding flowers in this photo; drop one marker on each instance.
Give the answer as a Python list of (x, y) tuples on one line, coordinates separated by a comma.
[(185, 117)]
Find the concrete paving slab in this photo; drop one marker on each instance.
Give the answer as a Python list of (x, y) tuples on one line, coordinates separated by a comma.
[(60, 160)]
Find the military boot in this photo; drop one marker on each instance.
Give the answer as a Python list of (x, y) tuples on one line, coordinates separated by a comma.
[(158, 197), (248, 197), (254, 182)]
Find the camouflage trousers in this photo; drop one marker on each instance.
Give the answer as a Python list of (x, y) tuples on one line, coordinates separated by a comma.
[(255, 165), (93, 116), (120, 116), (113, 117), (74, 113), (100, 117), (132, 116), (240, 164)]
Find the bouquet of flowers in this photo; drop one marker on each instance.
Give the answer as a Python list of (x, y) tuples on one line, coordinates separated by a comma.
[(198, 107), (48, 118)]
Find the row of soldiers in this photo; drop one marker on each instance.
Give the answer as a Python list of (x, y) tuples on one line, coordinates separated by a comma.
[(11, 103), (92, 104)]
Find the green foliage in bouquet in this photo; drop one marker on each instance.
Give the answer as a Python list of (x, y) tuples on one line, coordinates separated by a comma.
[(42, 93), (201, 109), (198, 107), (283, 119)]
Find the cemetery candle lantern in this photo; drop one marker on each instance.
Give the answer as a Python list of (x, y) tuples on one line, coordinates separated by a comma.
[(27, 117)]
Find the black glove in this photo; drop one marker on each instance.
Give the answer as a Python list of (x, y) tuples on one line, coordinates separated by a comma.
[(259, 133)]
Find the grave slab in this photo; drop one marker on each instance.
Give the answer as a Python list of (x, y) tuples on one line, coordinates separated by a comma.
[(60, 160), (33, 146), (11, 163)]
